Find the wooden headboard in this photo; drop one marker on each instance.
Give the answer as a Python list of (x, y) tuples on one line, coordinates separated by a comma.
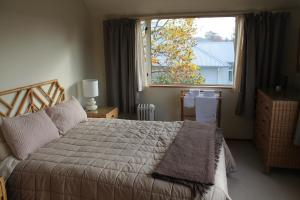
[(30, 98)]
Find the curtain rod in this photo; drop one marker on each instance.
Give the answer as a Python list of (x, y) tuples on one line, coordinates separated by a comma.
[(202, 14), (189, 15)]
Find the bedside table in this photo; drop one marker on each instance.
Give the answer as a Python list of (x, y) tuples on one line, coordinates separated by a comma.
[(3, 195), (104, 112)]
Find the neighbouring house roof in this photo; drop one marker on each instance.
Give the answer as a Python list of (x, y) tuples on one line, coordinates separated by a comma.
[(214, 54)]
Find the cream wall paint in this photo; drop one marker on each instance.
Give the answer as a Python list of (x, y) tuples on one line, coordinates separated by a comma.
[(167, 99), (98, 64), (42, 40), (150, 7), (167, 103)]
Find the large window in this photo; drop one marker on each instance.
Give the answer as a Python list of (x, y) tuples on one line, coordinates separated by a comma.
[(191, 51)]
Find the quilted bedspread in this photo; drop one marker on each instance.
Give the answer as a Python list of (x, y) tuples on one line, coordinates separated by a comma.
[(106, 159)]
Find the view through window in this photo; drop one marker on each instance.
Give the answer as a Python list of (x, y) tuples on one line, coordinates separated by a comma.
[(192, 51)]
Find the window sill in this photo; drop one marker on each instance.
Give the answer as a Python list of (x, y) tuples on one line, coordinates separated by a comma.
[(192, 86)]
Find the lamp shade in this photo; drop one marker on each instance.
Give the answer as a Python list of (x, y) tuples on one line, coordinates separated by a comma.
[(90, 88)]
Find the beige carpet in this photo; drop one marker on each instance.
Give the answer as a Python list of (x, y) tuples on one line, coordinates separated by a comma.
[(250, 183)]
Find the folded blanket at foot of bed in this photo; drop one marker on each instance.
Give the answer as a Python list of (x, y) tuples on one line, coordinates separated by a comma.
[(192, 158)]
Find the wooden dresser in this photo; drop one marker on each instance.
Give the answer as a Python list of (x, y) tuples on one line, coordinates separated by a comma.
[(276, 118)]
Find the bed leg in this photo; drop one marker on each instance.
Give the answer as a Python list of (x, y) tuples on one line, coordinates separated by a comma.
[(3, 195)]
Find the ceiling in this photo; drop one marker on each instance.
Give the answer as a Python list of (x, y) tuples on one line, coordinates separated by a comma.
[(150, 7)]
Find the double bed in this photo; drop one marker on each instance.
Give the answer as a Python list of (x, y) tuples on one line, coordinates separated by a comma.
[(109, 159)]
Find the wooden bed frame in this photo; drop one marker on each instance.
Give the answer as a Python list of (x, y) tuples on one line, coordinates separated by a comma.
[(186, 116), (28, 99), (31, 98)]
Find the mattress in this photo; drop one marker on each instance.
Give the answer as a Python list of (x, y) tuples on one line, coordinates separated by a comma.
[(107, 159)]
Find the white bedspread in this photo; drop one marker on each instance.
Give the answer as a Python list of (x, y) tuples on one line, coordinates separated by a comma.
[(108, 160)]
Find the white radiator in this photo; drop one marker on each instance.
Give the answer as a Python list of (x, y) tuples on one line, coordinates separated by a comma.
[(146, 112)]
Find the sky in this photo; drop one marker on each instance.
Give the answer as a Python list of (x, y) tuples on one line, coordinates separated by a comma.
[(224, 26)]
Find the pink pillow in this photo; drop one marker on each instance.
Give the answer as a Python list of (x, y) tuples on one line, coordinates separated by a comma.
[(67, 115), (4, 148), (25, 134)]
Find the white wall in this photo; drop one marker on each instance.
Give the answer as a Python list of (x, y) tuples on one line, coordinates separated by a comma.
[(42, 40)]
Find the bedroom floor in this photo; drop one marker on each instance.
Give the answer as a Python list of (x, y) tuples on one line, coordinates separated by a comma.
[(250, 183)]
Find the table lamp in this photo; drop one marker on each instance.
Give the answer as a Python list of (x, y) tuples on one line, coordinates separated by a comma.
[(90, 90)]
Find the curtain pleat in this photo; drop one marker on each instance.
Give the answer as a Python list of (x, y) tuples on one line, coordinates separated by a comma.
[(140, 58), (239, 55), (264, 36), (119, 47)]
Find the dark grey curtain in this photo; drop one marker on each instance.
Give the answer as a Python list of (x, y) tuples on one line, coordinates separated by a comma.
[(119, 47), (264, 36)]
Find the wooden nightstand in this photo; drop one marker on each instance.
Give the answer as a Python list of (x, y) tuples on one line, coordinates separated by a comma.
[(104, 112), (3, 195)]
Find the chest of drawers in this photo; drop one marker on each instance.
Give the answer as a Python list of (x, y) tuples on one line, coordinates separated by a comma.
[(275, 124)]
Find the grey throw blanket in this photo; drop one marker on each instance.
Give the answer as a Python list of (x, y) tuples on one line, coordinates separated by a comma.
[(192, 158)]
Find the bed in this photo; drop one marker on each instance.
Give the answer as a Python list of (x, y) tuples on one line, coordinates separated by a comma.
[(109, 159)]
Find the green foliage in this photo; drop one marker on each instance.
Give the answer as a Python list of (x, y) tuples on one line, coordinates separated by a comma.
[(172, 45)]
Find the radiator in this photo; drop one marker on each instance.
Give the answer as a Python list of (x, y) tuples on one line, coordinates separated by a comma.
[(146, 112)]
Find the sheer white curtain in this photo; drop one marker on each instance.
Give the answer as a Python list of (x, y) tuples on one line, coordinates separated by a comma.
[(140, 57), (239, 48)]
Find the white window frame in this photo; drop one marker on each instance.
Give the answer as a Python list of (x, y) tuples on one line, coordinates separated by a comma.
[(149, 64)]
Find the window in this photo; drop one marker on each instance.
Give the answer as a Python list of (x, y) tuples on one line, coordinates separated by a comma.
[(191, 51), (230, 75)]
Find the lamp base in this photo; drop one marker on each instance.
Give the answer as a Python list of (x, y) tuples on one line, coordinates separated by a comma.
[(91, 104)]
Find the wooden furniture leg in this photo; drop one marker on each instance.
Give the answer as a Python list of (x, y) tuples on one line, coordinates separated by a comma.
[(3, 195)]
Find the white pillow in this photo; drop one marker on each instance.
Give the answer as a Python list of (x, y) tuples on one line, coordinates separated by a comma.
[(25, 134), (4, 148), (67, 115), (7, 166)]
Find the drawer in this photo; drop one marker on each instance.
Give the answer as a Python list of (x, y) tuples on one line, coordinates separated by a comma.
[(262, 130), (262, 133), (263, 142), (104, 112), (284, 119), (283, 147), (282, 131), (263, 122), (264, 104)]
